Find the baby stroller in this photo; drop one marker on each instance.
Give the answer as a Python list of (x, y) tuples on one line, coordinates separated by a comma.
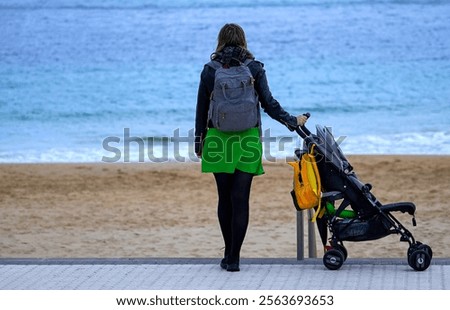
[(367, 218)]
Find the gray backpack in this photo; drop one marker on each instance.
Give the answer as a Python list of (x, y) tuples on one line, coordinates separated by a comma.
[(234, 104)]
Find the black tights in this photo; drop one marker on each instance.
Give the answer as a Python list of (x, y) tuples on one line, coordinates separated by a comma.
[(233, 210)]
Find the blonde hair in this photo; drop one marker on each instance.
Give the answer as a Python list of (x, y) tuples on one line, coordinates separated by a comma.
[(231, 35)]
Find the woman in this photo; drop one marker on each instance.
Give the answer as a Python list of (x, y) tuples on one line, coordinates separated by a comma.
[(234, 157)]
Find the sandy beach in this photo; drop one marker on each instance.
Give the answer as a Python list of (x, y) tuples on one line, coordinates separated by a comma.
[(169, 210)]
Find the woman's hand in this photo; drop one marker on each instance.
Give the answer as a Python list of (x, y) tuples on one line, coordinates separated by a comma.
[(301, 120)]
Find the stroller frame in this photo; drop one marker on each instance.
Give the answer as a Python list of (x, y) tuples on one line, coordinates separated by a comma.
[(373, 219)]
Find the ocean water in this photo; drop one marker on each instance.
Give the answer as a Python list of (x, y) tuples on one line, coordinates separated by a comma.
[(92, 81)]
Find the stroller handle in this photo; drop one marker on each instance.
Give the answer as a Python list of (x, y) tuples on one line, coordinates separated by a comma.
[(302, 131)]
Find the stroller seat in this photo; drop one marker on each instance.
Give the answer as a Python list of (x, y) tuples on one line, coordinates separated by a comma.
[(403, 207)]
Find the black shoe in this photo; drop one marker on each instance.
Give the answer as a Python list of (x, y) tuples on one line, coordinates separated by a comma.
[(233, 267), (223, 264)]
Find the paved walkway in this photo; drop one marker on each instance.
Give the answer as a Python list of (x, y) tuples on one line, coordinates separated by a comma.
[(205, 274)]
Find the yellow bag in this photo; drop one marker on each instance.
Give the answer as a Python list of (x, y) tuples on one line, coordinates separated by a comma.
[(307, 187)]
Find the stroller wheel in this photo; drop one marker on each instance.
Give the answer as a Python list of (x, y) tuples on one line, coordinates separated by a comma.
[(411, 249), (420, 246), (419, 259), (343, 250), (333, 259), (427, 249)]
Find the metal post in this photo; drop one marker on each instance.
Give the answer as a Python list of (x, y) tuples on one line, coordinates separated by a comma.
[(312, 251), (300, 236)]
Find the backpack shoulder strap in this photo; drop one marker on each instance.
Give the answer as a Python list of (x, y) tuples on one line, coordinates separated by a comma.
[(247, 61), (214, 64)]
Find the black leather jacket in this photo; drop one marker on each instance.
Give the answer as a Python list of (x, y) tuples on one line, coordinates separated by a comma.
[(269, 104)]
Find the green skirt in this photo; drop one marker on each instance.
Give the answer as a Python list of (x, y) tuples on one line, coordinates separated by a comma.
[(228, 151)]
